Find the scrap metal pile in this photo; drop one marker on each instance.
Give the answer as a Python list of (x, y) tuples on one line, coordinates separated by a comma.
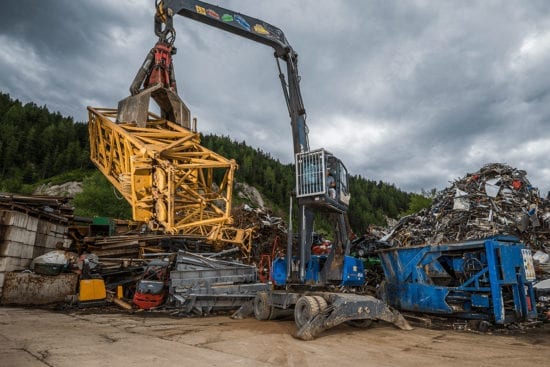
[(267, 229), (497, 199), (201, 284)]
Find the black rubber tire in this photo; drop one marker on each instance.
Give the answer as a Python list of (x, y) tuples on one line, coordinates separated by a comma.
[(262, 309), (305, 309), (323, 305), (363, 324)]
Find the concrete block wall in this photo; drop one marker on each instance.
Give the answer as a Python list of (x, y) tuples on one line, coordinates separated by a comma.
[(24, 237)]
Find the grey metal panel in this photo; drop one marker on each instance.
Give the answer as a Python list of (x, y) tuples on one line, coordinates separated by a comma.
[(203, 284), (310, 173)]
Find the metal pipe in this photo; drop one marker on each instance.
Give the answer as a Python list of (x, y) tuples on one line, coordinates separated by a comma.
[(224, 252), (289, 243), (303, 241)]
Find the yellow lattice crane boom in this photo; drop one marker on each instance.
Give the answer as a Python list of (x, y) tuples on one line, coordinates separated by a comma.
[(171, 181)]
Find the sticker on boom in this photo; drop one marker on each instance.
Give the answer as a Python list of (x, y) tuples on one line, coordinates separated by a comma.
[(212, 13), (243, 23), (200, 10), (258, 28), (227, 18)]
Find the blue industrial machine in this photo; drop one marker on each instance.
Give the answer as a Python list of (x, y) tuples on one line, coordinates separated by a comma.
[(490, 279), (305, 282), (353, 271)]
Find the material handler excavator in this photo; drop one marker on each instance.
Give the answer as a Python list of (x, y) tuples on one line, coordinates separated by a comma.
[(321, 289)]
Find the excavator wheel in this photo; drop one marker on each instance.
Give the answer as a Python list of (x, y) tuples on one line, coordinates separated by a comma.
[(262, 309), (323, 305), (305, 310)]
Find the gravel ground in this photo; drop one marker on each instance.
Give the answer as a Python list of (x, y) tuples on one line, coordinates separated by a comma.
[(37, 337)]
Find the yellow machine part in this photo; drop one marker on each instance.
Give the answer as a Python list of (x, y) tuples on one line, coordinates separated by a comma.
[(92, 290), (171, 181)]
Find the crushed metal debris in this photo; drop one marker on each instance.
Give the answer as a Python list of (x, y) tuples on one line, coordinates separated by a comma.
[(497, 199)]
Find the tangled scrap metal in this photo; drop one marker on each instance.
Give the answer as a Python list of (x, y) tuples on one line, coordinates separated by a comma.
[(267, 228), (498, 199)]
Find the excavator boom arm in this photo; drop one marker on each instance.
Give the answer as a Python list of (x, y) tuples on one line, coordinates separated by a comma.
[(255, 30), (228, 20)]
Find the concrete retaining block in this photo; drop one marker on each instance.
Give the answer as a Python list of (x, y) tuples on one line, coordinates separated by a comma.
[(23, 237), (51, 242), (27, 251), (20, 235), (16, 249), (13, 264), (13, 218), (11, 248), (32, 223), (2, 276), (35, 289), (43, 227)]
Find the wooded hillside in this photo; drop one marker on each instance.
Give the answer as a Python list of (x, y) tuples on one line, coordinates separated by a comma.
[(36, 144)]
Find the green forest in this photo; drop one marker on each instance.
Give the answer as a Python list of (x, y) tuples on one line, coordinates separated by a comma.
[(36, 144), (39, 146)]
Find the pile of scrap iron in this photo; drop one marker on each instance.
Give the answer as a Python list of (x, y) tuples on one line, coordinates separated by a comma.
[(121, 261), (116, 239), (175, 271), (267, 228), (496, 200)]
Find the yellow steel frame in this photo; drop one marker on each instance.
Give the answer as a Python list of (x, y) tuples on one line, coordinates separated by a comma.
[(169, 179)]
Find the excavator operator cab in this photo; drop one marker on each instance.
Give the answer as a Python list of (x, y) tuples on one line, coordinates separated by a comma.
[(322, 180)]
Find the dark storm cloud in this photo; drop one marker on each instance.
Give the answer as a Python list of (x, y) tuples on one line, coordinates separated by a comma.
[(58, 28), (64, 53), (414, 93)]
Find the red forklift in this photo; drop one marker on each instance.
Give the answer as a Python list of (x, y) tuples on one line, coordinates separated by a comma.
[(152, 288)]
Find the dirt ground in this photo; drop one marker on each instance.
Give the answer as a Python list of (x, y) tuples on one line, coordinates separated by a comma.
[(35, 337)]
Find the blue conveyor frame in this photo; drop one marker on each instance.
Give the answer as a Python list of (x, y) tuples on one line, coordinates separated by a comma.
[(489, 279)]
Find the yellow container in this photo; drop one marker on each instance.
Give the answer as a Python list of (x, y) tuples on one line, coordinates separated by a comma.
[(92, 290)]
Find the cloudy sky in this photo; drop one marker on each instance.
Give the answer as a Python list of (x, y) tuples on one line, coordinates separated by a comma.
[(414, 93)]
